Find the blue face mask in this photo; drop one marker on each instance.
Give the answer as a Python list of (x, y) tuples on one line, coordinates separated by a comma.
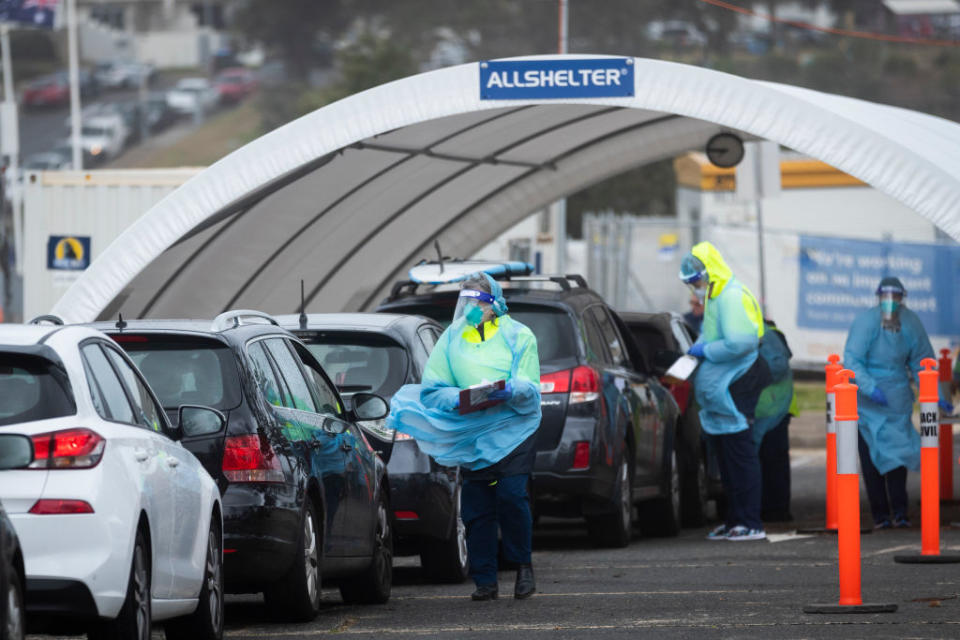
[(474, 315), (889, 306)]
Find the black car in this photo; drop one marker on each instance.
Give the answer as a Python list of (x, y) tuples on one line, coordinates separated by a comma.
[(303, 491), (16, 452), (608, 437), (378, 353)]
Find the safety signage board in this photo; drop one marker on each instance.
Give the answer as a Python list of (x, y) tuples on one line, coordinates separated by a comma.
[(555, 79), (68, 253), (839, 278)]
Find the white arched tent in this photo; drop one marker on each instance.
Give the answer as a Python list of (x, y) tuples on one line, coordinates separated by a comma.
[(351, 195)]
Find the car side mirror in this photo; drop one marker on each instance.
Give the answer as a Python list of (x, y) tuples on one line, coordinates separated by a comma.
[(369, 406), (16, 451), (196, 420)]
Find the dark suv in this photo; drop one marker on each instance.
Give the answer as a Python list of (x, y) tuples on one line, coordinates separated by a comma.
[(607, 439), (302, 488)]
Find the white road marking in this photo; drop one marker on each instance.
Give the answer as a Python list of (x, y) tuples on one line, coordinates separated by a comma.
[(902, 547), (785, 537)]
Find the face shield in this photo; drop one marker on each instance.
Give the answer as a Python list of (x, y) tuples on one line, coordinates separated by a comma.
[(890, 302), (474, 307), (697, 283)]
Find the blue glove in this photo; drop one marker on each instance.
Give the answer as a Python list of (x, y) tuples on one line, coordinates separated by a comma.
[(696, 350), (945, 406), (877, 396), (502, 394)]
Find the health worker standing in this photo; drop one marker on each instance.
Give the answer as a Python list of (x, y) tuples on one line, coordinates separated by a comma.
[(728, 384), (884, 348), (493, 446)]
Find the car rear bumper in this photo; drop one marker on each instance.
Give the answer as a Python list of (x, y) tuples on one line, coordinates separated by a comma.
[(261, 523), (420, 487), (560, 489), (61, 598)]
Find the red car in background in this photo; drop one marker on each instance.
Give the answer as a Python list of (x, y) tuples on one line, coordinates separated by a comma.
[(235, 84), (47, 91)]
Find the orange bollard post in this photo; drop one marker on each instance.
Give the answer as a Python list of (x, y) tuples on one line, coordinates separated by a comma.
[(946, 430), (929, 472), (831, 369), (848, 503)]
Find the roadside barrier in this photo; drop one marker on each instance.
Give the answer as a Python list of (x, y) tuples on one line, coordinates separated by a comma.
[(946, 430), (831, 369), (929, 472), (848, 504)]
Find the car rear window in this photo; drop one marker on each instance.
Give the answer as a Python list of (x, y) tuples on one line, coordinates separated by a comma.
[(32, 388), (186, 370), (356, 362)]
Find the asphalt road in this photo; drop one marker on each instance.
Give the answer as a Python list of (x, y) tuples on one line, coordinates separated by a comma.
[(684, 587)]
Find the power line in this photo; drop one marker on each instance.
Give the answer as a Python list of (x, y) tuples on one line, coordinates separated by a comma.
[(849, 33)]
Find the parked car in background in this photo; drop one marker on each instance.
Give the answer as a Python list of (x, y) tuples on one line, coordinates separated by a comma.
[(676, 32), (662, 338), (235, 84), (607, 441), (90, 161), (16, 452), (192, 94), (304, 494), (48, 91), (378, 353), (123, 75), (104, 134), (159, 113), (120, 525), (47, 161)]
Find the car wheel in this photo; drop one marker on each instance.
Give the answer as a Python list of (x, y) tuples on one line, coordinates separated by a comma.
[(615, 529), (373, 585), (133, 623), (206, 623), (445, 561), (296, 596), (16, 624), (694, 490), (661, 517)]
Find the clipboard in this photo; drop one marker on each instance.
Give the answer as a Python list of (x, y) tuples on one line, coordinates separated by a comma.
[(682, 369), (477, 397)]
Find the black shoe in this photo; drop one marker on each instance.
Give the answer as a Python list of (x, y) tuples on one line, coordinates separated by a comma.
[(526, 586), (485, 592)]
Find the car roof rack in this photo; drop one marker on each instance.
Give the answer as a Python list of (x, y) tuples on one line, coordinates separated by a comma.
[(48, 318), (404, 288), (236, 318)]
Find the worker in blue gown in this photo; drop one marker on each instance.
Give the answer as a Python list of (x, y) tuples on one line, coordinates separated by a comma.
[(493, 446), (884, 348)]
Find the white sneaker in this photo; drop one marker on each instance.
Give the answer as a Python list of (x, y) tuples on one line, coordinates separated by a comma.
[(740, 533), (719, 533)]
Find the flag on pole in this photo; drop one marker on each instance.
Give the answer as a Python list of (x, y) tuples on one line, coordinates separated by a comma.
[(29, 13)]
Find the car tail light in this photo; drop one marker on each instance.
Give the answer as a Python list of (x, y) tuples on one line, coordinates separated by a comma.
[(581, 455), (60, 507), (406, 515), (584, 385), (67, 449), (556, 382), (250, 459)]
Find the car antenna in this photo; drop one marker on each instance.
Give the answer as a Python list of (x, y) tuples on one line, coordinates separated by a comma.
[(436, 244), (121, 324), (303, 306)]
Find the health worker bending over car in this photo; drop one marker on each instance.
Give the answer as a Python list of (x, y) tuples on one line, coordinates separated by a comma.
[(495, 445), (884, 348), (728, 384)]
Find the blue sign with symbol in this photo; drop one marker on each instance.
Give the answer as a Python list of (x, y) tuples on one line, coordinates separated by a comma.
[(839, 278), (68, 253), (30, 13), (555, 79)]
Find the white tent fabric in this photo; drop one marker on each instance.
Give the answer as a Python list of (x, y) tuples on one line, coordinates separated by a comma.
[(351, 195)]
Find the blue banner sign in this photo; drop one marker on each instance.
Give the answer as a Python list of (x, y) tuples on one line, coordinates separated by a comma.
[(68, 253), (839, 278), (554, 79), (29, 13)]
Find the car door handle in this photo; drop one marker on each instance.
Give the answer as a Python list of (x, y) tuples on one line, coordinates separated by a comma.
[(141, 455), (173, 462)]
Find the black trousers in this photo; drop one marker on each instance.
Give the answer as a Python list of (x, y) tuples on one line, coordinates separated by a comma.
[(775, 469), (883, 491)]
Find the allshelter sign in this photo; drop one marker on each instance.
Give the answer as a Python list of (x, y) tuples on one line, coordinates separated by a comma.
[(555, 79)]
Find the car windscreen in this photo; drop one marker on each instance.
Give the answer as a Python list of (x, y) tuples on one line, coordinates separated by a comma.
[(32, 388), (358, 362), (93, 131), (185, 370)]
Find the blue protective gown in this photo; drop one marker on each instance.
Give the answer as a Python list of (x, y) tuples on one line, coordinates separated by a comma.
[(889, 360), (731, 330), (477, 440)]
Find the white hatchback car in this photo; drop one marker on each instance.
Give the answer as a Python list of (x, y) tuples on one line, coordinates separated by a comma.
[(120, 525)]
